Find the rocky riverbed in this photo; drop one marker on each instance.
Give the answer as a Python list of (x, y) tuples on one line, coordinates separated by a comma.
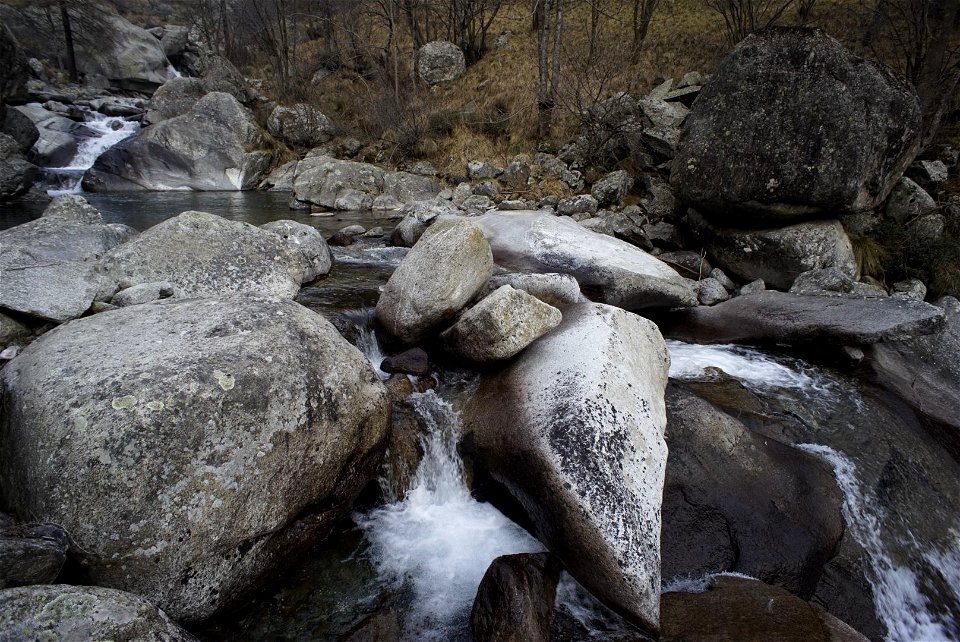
[(667, 408)]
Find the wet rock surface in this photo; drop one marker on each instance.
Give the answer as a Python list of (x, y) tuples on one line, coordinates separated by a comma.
[(515, 599), (31, 554)]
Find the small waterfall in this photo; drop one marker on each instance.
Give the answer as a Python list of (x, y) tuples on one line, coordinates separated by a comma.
[(898, 600), (367, 341), (438, 541), (110, 130)]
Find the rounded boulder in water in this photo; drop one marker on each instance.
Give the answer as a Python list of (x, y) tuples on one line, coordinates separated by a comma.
[(190, 448)]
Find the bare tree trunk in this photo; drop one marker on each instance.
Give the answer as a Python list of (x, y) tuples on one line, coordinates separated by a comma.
[(68, 41), (543, 66), (594, 19), (937, 77), (642, 15)]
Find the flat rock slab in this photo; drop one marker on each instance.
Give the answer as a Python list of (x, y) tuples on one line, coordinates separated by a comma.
[(609, 270), (784, 317)]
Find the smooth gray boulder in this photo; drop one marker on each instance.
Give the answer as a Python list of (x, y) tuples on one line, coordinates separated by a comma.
[(73, 207), (47, 266), (552, 289), (612, 188), (760, 148), (777, 255), (784, 317), (281, 178), (142, 293), (908, 201), (609, 270), (711, 292), (192, 449), (17, 174), (217, 145), (325, 181), (582, 204), (202, 254), (63, 612), (573, 429), (440, 61), (925, 370), (823, 280), (58, 137), (306, 242), (500, 326), (441, 273), (31, 554), (301, 125)]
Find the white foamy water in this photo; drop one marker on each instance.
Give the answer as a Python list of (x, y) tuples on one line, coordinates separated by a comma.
[(438, 542), (109, 131), (358, 254), (698, 584), (753, 367), (897, 596), (596, 620)]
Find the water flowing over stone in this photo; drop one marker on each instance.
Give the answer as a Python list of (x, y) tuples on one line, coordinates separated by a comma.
[(608, 270), (759, 145), (574, 431), (148, 432), (217, 145)]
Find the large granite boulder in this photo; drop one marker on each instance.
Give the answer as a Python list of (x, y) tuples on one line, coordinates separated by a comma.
[(440, 275), (609, 270), (217, 145), (202, 254), (16, 172), (738, 501), (58, 137), (786, 317), (301, 125), (777, 255), (501, 325), (190, 448), (925, 370), (48, 266), (416, 218), (573, 429), (174, 98), (793, 126), (106, 44), (63, 612), (440, 61)]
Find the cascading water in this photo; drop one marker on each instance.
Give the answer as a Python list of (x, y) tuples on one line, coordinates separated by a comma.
[(438, 541), (913, 576), (108, 131)]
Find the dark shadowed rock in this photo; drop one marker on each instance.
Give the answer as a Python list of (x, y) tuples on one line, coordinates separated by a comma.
[(515, 599), (31, 554), (202, 254), (16, 172), (777, 255), (608, 269), (149, 432), (738, 501), (62, 612), (217, 145), (413, 361), (573, 428), (783, 317), (735, 609), (794, 126)]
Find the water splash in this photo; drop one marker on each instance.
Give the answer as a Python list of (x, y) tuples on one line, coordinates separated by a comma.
[(108, 131), (698, 584), (898, 600), (756, 369), (438, 541)]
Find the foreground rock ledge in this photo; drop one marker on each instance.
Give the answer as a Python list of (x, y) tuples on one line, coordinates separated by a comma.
[(190, 448), (574, 430), (62, 612)]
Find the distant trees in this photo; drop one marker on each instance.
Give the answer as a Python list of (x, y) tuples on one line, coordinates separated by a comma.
[(743, 17)]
